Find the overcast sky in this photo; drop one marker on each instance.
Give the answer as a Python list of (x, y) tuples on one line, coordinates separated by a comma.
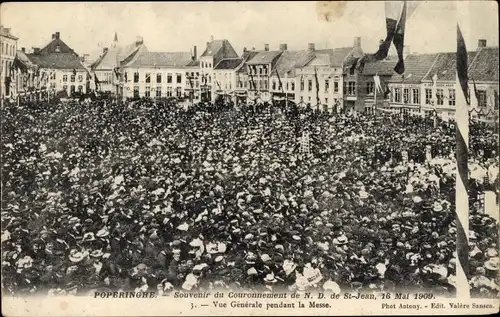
[(177, 26)]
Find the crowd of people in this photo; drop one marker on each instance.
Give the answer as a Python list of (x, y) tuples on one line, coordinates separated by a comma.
[(148, 196)]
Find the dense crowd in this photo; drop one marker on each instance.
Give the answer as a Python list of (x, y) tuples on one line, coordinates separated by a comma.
[(149, 196)]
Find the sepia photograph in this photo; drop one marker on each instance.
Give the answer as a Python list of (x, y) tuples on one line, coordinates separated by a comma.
[(250, 157)]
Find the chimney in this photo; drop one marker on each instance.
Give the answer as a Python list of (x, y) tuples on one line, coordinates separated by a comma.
[(23, 49), (139, 41), (36, 50), (53, 36), (195, 52), (57, 35), (211, 38), (481, 43), (311, 47), (7, 30), (266, 47), (357, 42), (283, 47)]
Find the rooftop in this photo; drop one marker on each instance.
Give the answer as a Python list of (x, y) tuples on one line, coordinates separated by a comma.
[(222, 47), (228, 63), (161, 59)]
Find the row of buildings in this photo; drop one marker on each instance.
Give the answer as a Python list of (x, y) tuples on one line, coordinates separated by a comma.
[(327, 78)]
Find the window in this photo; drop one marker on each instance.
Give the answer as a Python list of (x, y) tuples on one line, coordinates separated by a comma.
[(53, 76), (148, 77), (169, 91), (302, 85), (125, 76), (351, 71), (158, 78), (293, 86), (352, 88), (481, 98), (335, 86), (309, 85), (80, 78), (65, 87), (72, 89), (169, 78), (65, 78), (274, 85), (147, 92), (397, 94), (136, 89), (406, 95), (72, 78), (428, 96), (326, 100), (451, 97), (416, 96), (80, 88), (345, 88), (440, 96), (370, 87), (178, 92), (136, 77), (327, 85)]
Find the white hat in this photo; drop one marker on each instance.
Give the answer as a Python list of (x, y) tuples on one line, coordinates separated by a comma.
[(289, 266), (252, 271), (183, 227), (270, 278), (331, 286), (265, 257), (104, 232)]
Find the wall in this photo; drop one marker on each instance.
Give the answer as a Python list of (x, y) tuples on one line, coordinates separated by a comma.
[(8, 51), (165, 87)]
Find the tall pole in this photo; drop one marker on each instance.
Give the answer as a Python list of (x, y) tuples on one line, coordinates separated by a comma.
[(462, 174)]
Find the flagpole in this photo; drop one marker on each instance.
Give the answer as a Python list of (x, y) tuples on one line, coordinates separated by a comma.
[(462, 174)]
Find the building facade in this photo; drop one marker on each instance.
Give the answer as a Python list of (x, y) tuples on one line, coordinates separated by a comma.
[(158, 75), (259, 70), (107, 70), (214, 53), (224, 75), (428, 85), (8, 43), (54, 69)]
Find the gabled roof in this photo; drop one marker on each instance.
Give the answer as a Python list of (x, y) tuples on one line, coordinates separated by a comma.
[(290, 60), (416, 68), (56, 60), (161, 59), (484, 67), (220, 46), (445, 66), (382, 68), (263, 57), (228, 63), (339, 55), (115, 55), (52, 46)]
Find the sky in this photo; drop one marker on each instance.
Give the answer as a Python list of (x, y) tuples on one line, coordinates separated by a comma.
[(177, 26)]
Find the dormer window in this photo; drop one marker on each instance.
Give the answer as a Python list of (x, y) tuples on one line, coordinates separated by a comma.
[(58, 49)]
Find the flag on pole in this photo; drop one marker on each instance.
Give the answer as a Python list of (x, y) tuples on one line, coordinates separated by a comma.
[(317, 86), (279, 81), (399, 38), (462, 176), (396, 15)]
